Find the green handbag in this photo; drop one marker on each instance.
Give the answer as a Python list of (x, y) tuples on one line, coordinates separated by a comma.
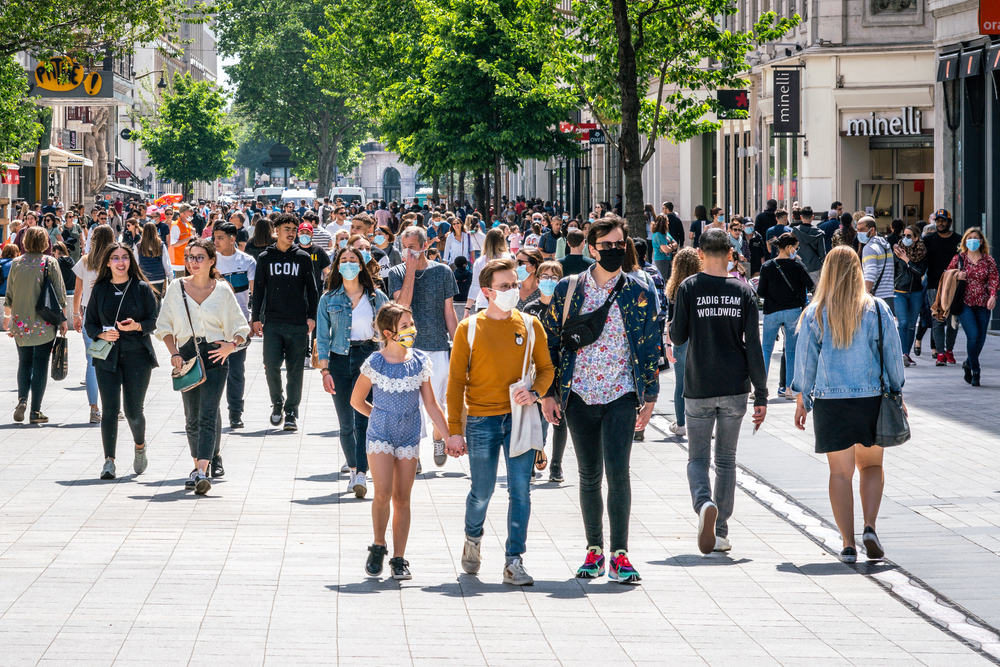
[(192, 371), (100, 348)]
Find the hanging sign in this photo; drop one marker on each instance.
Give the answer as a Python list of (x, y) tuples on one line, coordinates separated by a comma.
[(989, 17), (62, 77), (786, 101)]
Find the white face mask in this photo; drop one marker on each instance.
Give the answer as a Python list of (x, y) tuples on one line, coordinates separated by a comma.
[(506, 300)]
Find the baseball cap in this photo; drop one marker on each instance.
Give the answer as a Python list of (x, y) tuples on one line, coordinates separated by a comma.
[(185, 208), (306, 227), (942, 213)]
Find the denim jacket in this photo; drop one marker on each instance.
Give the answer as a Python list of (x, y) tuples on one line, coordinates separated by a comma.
[(638, 306), (333, 320), (824, 371)]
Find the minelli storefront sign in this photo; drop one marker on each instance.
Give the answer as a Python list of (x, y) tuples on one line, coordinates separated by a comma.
[(880, 124)]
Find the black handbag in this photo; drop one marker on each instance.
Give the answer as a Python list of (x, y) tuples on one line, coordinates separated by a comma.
[(580, 331), (47, 307), (893, 428), (60, 359)]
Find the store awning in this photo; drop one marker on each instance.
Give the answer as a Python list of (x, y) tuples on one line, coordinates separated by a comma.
[(125, 189), (54, 151), (947, 67)]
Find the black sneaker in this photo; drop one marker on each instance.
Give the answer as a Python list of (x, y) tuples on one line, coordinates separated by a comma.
[(201, 483), (22, 405), (849, 555), (374, 565), (289, 422), (216, 467), (276, 414), (639, 436), (968, 372), (400, 568), (38, 418), (872, 545), (189, 483), (556, 474), (235, 421)]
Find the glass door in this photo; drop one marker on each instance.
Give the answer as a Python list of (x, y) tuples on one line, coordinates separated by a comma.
[(880, 199)]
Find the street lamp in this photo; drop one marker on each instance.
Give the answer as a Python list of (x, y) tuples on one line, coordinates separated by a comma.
[(162, 82)]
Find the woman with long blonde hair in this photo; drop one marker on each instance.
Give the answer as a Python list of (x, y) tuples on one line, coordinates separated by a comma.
[(494, 247), (847, 347), (686, 263)]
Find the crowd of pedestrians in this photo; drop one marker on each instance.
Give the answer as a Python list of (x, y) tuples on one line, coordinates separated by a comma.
[(496, 328)]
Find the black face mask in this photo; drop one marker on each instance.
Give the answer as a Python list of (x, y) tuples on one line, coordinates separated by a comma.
[(611, 260)]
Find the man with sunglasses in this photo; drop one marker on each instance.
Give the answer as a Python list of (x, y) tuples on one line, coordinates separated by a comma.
[(607, 388)]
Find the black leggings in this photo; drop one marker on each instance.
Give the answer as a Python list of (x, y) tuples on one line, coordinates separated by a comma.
[(126, 385), (33, 372)]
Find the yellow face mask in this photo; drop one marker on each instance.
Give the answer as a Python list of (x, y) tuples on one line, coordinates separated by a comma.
[(407, 336)]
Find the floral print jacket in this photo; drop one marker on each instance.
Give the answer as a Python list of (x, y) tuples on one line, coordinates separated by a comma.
[(638, 307)]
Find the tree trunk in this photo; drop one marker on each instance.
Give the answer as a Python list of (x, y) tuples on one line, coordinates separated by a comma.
[(461, 188), (496, 185), (436, 189), (628, 144), (451, 190), (480, 193)]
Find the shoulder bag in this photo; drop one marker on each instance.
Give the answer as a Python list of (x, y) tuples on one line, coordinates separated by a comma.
[(893, 428), (100, 348), (525, 420), (582, 330), (47, 307), (192, 371), (958, 300)]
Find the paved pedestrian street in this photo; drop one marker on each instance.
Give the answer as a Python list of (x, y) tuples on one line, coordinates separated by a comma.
[(268, 568)]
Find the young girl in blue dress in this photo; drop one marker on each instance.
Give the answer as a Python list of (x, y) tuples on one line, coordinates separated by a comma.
[(398, 378)]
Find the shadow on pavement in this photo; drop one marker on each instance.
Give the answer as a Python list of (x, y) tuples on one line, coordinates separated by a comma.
[(366, 587), (331, 499), (93, 481), (816, 569), (470, 586), (326, 477), (697, 560), (170, 497)]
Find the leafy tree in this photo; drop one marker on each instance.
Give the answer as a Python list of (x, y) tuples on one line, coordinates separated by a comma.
[(19, 129), (275, 88), (188, 138), (613, 51), (251, 148)]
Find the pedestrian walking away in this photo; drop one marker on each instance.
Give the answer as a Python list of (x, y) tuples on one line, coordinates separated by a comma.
[(122, 313), (345, 338), (686, 264), (29, 274), (717, 315), (200, 316), (846, 351), (397, 378), (605, 347), (480, 377), (284, 313)]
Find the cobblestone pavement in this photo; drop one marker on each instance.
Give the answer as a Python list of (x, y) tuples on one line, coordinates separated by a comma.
[(268, 568)]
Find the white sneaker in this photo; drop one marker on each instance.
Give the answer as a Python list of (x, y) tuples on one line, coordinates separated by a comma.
[(680, 431), (351, 476), (440, 456), (345, 468), (707, 515), (360, 487), (514, 573), (471, 559), (722, 544)]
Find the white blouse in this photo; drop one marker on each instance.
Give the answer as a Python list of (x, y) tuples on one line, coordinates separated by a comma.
[(362, 318), (218, 318)]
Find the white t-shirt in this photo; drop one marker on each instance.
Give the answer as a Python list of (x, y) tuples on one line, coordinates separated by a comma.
[(333, 228), (88, 277), (362, 318), (238, 270), (531, 240)]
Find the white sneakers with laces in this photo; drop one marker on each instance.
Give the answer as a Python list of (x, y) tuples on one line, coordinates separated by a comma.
[(471, 560), (514, 573), (679, 431)]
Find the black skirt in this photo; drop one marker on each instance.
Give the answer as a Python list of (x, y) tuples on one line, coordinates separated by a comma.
[(843, 422)]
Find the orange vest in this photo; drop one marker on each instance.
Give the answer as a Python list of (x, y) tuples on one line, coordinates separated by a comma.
[(177, 248)]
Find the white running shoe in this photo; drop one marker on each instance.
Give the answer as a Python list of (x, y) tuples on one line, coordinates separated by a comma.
[(351, 477), (360, 485), (345, 468), (514, 573), (707, 515), (471, 560), (722, 544), (679, 431)]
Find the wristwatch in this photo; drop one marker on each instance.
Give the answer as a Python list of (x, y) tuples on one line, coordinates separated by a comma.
[(535, 394)]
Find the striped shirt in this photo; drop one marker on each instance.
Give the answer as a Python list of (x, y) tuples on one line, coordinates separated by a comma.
[(876, 257)]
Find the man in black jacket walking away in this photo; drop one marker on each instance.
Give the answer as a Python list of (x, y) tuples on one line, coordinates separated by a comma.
[(284, 309), (718, 315), (812, 245)]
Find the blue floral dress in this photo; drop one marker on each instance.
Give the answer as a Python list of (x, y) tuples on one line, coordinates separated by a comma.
[(394, 425)]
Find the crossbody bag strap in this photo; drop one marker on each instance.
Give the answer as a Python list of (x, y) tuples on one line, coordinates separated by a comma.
[(880, 275), (471, 336), (122, 301), (194, 336), (881, 361), (787, 281), (529, 342), (570, 291)]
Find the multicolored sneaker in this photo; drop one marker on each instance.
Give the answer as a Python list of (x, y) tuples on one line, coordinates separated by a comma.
[(593, 567), (621, 570)]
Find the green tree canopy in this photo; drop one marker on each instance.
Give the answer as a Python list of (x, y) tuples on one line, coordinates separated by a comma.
[(613, 51), (188, 138)]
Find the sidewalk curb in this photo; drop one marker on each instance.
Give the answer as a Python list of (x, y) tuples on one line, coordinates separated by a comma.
[(932, 606)]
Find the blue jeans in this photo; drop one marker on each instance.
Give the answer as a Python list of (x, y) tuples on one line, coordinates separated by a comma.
[(908, 305), (789, 319), (345, 370), (975, 322), (91, 376), (485, 437), (680, 354)]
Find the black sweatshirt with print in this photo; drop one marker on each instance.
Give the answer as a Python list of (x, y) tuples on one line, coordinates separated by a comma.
[(284, 288)]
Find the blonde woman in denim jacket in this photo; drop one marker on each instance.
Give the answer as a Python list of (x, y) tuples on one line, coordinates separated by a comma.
[(837, 377)]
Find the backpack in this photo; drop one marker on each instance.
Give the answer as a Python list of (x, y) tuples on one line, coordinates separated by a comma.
[(5, 265)]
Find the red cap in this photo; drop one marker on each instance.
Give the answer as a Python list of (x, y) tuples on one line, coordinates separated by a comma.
[(306, 227)]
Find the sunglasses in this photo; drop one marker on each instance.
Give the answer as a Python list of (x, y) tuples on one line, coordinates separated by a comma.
[(612, 245), (197, 259)]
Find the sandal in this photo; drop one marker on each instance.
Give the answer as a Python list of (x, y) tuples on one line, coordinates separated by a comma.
[(541, 461)]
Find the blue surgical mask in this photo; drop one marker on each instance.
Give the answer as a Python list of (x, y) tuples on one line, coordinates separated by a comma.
[(379, 239), (547, 286), (366, 255), (863, 237), (305, 239), (591, 220), (793, 254), (730, 266), (343, 243), (973, 244), (749, 229), (565, 217), (907, 241), (522, 273), (349, 270)]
